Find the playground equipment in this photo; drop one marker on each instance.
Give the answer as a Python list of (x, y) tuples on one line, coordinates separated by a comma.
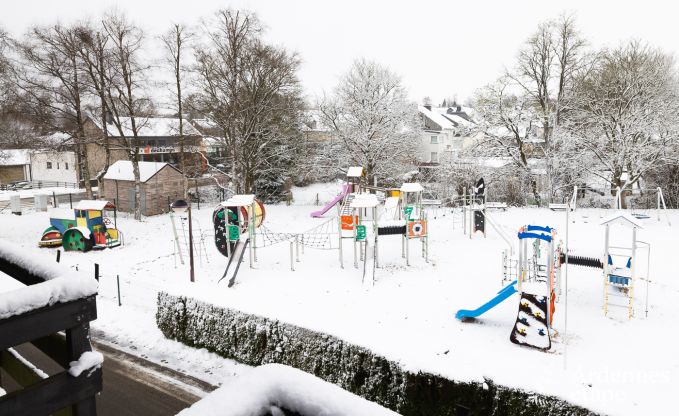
[(536, 275), (619, 264), (235, 221), (359, 204), (181, 245), (83, 229), (354, 176), (415, 218)]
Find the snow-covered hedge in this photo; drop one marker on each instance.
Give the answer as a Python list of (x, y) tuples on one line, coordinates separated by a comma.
[(255, 341)]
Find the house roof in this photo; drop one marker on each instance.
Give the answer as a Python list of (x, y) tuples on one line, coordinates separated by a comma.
[(150, 127), (15, 157), (122, 170), (436, 117)]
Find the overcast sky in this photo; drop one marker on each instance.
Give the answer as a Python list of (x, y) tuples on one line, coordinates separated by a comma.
[(440, 48)]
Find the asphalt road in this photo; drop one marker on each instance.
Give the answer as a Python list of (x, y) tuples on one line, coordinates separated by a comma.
[(133, 386)]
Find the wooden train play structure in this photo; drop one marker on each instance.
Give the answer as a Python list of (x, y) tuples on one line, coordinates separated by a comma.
[(83, 229)]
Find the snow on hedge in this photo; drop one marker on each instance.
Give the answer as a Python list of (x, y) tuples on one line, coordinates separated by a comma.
[(89, 360), (61, 284), (265, 389)]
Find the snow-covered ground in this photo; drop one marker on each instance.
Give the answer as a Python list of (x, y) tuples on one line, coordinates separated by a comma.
[(608, 364)]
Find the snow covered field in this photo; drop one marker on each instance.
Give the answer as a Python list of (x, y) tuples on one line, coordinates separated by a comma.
[(608, 364)]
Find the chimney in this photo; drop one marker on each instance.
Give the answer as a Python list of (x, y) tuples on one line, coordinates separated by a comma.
[(427, 103)]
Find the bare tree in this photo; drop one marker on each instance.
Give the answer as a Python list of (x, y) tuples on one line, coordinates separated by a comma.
[(124, 91), (251, 91), (623, 118), (176, 42), (51, 77), (96, 58), (371, 114)]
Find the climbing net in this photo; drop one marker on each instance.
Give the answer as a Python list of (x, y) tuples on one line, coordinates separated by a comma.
[(319, 237)]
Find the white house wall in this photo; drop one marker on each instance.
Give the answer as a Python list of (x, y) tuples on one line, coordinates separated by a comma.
[(63, 167)]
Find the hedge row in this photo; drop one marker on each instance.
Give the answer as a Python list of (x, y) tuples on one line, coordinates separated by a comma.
[(255, 340)]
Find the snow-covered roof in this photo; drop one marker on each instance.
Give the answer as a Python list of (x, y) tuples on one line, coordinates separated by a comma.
[(355, 172), (411, 187), (15, 157), (90, 204), (364, 201), (62, 213), (622, 218), (150, 127), (437, 118), (122, 170), (239, 201), (204, 123)]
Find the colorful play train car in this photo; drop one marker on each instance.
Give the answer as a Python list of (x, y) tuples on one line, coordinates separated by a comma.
[(84, 229)]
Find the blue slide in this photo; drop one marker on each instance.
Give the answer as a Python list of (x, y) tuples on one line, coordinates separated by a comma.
[(506, 292)]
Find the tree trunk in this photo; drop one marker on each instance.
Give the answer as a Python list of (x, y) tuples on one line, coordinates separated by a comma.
[(137, 186)]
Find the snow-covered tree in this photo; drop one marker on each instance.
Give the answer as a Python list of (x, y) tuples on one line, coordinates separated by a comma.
[(370, 113), (622, 120), (508, 121)]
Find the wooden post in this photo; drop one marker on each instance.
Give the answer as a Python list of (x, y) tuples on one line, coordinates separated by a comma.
[(77, 343), (96, 271), (118, 283)]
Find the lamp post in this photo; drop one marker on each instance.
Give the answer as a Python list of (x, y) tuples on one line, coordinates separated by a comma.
[(180, 206)]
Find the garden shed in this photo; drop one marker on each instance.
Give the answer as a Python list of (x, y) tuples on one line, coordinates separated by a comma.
[(160, 183)]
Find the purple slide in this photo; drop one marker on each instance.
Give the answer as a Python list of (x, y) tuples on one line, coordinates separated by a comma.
[(337, 199)]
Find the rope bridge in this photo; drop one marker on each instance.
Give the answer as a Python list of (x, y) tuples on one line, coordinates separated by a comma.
[(319, 237)]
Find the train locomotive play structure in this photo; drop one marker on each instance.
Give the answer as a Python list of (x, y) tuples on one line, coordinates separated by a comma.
[(83, 229)]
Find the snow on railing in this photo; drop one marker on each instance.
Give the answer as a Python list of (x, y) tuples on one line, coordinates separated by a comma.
[(60, 284)]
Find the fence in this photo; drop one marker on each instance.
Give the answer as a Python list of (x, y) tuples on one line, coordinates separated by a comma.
[(38, 185), (40, 394)]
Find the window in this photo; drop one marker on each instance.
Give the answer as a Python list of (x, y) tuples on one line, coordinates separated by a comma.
[(49, 165), (57, 165), (434, 157), (66, 165), (434, 140)]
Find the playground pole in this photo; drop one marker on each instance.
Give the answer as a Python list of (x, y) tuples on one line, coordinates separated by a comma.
[(193, 278), (565, 316)]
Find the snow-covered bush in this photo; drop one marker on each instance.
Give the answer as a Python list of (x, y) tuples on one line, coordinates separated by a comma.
[(256, 340)]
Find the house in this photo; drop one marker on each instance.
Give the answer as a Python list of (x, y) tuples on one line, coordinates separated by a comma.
[(161, 183), (158, 141), (15, 165), (446, 132), (55, 166)]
